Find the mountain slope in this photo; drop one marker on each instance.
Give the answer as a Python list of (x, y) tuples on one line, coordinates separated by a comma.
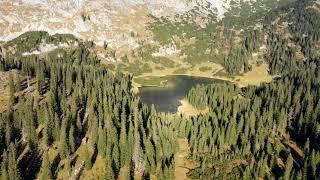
[(67, 115), (147, 36), (92, 19)]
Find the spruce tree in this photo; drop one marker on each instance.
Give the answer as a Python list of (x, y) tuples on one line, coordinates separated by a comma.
[(123, 140), (45, 172), (108, 170), (4, 171), (102, 142), (72, 142), (13, 171), (289, 165)]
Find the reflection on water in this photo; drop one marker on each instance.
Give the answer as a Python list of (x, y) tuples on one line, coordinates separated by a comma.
[(166, 99)]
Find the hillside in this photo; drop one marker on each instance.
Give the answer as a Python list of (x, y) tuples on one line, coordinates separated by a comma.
[(147, 37), (68, 109)]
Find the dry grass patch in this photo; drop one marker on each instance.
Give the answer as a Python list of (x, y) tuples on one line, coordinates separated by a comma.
[(96, 171), (4, 88), (4, 99), (187, 110), (190, 71), (258, 75), (122, 173), (150, 81)]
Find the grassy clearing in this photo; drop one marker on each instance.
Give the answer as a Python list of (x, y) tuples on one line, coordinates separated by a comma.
[(150, 81), (64, 173), (4, 99), (4, 90), (187, 110), (205, 68), (122, 173), (96, 171), (180, 71), (258, 75), (53, 152), (154, 78)]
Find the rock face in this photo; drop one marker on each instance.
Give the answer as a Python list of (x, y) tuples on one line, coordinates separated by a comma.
[(99, 20)]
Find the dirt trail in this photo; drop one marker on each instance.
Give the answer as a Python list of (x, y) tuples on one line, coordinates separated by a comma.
[(182, 164)]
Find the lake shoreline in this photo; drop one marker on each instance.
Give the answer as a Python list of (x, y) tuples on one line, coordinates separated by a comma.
[(136, 86), (168, 98), (188, 110), (257, 76)]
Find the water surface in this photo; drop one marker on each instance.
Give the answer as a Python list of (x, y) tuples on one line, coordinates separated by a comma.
[(167, 98)]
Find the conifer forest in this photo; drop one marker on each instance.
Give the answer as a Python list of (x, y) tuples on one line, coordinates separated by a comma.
[(67, 114)]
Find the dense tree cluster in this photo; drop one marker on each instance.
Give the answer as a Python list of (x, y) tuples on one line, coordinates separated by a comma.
[(255, 125), (237, 59), (256, 132), (302, 35), (71, 104), (78, 102)]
